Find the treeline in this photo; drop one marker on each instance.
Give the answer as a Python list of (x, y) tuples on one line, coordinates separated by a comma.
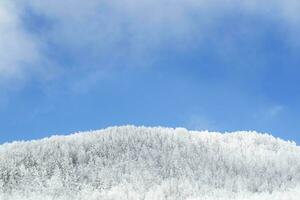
[(140, 159)]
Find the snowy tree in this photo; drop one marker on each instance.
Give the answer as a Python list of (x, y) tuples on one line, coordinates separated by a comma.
[(150, 163)]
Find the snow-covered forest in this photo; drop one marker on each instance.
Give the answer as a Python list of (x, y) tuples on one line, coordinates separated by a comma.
[(151, 163)]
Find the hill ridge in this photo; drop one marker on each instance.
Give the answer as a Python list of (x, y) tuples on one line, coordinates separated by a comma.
[(150, 163)]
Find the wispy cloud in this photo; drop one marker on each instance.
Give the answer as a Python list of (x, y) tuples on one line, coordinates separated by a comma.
[(275, 111), (269, 113), (126, 33), (18, 50), (198, 122)]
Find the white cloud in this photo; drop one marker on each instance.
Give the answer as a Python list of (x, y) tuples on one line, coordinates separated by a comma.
[(18, 50), (122, 29)]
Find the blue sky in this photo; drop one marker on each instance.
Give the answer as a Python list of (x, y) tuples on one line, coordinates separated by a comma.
[(76, 65)]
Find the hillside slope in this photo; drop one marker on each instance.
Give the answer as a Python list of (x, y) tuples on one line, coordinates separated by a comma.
[(151, 163)]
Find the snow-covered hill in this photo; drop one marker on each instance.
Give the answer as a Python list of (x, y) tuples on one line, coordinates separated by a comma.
[(151, 163)]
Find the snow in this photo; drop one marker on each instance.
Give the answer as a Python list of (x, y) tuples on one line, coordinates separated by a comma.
[(131, 162)]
